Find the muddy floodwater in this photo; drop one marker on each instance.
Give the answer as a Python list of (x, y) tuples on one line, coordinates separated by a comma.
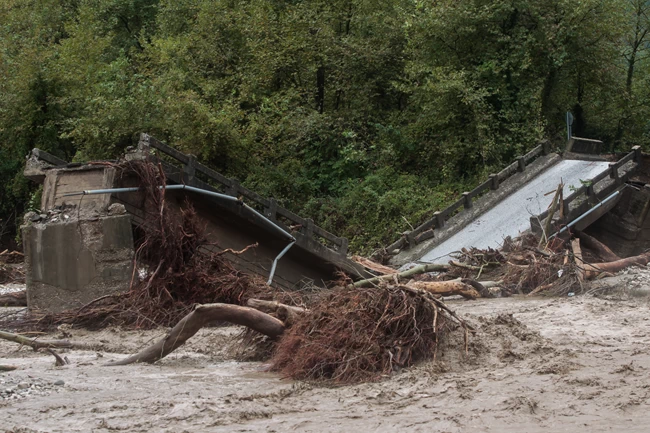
[(575, 364)]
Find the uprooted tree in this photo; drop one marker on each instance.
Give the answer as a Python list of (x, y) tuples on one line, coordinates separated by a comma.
[(345, 334)]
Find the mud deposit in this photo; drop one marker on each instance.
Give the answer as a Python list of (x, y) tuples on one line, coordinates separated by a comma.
[(573, 364)]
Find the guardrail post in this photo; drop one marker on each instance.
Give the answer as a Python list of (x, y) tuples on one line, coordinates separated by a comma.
[(467, 200), (495, 181), (409, 238), (309, 228), (613, 170), (233, 189), (189, 169), (637, 153), (440, 219), (591, 194), (521, 164), (343, 248), (271, 211), (546, 147)]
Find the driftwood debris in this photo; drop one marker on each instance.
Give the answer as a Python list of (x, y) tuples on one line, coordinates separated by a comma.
[(577, 254), (374, 266), (446, 288), (602, 250), (287, 313), (201, 316), (8, 367), (16, 299), (592, 270), (37, 344), (7, 256), (432, 267), (552, 208)]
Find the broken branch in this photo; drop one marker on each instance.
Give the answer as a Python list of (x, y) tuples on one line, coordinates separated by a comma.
[(446, 288), (431, 267), (45, 344)]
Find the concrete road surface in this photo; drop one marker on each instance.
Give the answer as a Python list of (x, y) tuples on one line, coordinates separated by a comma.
[(512, 215)]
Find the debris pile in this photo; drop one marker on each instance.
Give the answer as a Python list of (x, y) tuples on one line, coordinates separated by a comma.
[(355, 335)]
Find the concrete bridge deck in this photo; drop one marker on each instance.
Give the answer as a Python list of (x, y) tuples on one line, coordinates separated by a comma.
[(514, 200), (511, 216)]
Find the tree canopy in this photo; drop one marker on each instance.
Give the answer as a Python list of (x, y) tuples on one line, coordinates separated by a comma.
[(365, 115)]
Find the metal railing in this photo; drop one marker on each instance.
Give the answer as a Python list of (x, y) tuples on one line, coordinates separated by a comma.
[(191, 168), (440, 218)]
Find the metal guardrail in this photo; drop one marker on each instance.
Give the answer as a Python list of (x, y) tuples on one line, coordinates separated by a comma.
[(271, 209), (439, 219)]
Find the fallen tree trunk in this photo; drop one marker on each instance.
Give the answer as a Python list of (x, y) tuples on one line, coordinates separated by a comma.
[(201, 316), (446, 288), (592, 270), (598, 247), (432, 267), (16, 299), (287, 313), (377, 267)]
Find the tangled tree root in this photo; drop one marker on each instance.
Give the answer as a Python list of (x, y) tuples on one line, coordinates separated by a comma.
[(362, 334)]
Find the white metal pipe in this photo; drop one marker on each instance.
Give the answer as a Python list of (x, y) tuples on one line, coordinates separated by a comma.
[(275, 262), (267, 222)]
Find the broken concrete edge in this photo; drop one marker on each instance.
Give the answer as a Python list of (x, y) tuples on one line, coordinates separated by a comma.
[(482, 205), (37, 164)]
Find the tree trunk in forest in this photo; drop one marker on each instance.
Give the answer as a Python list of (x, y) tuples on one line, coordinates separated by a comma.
[(320, 89)]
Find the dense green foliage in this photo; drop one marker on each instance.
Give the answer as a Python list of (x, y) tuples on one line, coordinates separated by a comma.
[(365, 115)]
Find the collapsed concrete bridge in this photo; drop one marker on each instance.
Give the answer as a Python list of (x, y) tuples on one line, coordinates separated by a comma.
[(81, 245), (515, 200)]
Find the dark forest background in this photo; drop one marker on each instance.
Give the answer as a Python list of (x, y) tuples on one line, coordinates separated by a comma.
[(365, 115)]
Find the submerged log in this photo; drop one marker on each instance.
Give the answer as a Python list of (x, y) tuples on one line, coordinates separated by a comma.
[(37, 344)]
